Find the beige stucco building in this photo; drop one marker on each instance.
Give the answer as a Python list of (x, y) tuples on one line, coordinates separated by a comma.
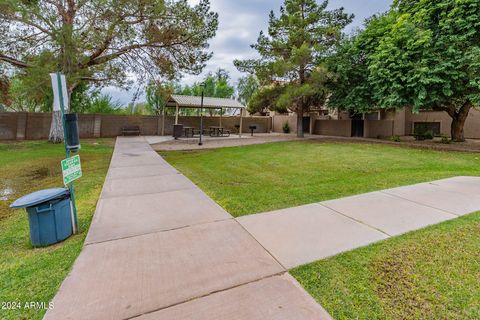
[(379, 124)]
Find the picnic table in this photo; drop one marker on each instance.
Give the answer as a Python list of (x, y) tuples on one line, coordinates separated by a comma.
[(189, 131), (215, 131)]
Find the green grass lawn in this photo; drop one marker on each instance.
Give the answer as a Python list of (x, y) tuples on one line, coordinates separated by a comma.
[(428, 274), (258, 178), (28, 274)]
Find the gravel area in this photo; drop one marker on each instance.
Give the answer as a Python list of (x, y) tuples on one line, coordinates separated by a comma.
[(232, 141)]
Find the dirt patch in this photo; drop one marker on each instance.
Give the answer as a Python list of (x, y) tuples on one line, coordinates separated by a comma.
[(22, 180), (396, 288)]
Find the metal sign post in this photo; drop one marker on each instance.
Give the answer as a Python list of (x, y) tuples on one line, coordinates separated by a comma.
[(68, 183)]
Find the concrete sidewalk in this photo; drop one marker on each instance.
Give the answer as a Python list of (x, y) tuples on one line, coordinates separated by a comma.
[(304, 234), (159, 248)]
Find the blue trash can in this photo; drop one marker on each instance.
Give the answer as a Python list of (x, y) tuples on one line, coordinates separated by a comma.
[(49, 215)]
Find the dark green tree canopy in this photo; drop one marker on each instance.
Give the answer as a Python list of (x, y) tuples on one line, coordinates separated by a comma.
[(430, 58), (292, 53), (351, 88), (104, 41), (423, 54)]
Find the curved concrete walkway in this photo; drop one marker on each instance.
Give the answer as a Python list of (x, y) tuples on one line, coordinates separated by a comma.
[(159, 248)]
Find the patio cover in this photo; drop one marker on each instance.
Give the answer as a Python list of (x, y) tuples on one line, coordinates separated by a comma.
[(208, 102), (195, 102)]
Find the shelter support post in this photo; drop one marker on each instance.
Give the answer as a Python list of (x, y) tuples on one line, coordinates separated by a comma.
[(163, 120), (241, 123), (176, 114)]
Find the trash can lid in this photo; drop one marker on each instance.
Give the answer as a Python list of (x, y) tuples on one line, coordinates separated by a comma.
[(38, 197)]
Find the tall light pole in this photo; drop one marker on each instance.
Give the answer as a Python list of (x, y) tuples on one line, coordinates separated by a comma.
[(202, 85)]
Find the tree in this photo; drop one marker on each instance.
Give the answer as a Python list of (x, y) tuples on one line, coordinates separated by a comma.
[(426, 55), (247, 86), (291, 53), (102, 103), (103, 41), (430, 59), (4, 89), (22, 99), (350, 88), (157, 96), (265, 98), (215, 85)]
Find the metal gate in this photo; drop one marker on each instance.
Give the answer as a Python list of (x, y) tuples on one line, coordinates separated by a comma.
[(357, 128), (306, 124)]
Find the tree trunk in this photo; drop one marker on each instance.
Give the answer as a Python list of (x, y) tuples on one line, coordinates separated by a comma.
[(458, 122), (300, 123), (56, 129)]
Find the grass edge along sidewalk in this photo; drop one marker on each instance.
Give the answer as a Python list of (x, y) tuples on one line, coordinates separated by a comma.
[(431, 273), (31, 275)]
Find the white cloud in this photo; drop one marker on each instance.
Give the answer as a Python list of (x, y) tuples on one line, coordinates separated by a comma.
[(240, 23)]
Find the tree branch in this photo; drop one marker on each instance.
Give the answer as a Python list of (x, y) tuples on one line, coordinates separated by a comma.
[(13, 61), (121, 51)]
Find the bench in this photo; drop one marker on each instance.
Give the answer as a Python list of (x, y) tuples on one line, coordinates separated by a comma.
[(131, 131)]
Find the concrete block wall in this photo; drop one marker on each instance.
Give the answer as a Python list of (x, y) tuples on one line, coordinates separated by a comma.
[(263, 124), (378, 128), (337, 128), (279, 120), (36, 126), (8, 126)]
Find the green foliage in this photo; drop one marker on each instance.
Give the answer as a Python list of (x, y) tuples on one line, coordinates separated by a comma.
[(291, 53), (351, 87), (422, 132), (286, 127), (430, 56), (215, 85), (247, 87), (97, 43), (395, 138), (102, 103), (105, 40), (445, 140), (429, 135), (424, 54), (135, 109), (157, 96), (265, 98)]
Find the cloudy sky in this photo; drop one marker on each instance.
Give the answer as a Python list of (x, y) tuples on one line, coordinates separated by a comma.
[(240, 24)]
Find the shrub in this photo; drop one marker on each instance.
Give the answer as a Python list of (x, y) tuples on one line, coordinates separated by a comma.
[(428, 135), (420, 132), (286, 127), (445, 140), (395, 138)]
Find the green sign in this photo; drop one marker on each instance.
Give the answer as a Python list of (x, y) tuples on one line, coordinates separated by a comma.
[(71, 169)]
